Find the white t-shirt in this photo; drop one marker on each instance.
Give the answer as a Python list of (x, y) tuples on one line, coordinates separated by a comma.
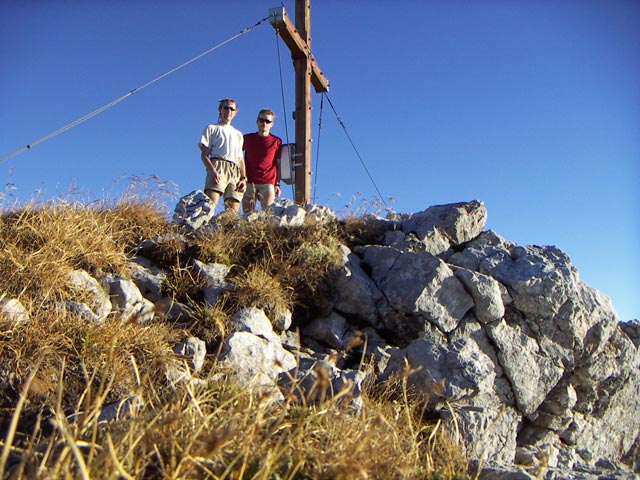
[(224, 141)]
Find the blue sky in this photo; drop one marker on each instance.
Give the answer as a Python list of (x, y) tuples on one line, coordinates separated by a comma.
[(530, 106)]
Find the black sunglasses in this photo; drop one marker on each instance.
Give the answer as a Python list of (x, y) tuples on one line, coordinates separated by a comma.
[(228, 107), (265, 120)]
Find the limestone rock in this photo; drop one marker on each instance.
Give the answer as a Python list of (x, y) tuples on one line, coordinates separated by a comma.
[(291, 216), (570, 320), (254, 351), (379, 260), (607, 391), (148, 277), (315, 382), (319, 214), (632, 330), (330, 330), (486, 294), (119, 410), (256, 360), (193, 211), (453, 372), (457, 223), (530, 370), (81, 310), (214, 275), (90, 293), (13, 313), (127, 300), (355, 293), (487, 249), (193, 350), (282, 319), (422, 285), (255, 321)]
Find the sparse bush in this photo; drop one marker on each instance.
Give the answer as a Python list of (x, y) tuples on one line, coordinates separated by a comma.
[(256, 287), (210, 323), (183, 284), (286, 266)]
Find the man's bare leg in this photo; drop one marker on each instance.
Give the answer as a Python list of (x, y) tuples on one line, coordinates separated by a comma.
[(213, 196), (248, 204), (267, 199), (232, 205)]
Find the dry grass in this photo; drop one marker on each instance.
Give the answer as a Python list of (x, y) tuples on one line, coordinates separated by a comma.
[(257, 287), (210, 323), (64, 339), (41, 243), (223, 431), (285, 267), (58, 364)]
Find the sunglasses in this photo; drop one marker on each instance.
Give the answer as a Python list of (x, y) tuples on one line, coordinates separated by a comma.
[(265, 120), (229, 107)]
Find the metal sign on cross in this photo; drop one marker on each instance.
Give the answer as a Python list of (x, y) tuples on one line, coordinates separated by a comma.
[(298, 39)]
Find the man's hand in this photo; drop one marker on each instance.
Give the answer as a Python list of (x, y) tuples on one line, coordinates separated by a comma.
[(241, 186), (277, 189)]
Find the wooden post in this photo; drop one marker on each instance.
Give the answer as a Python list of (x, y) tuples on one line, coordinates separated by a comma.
[(298, 39)]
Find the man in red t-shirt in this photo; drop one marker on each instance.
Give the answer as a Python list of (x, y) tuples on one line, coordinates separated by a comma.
[(261, 155)]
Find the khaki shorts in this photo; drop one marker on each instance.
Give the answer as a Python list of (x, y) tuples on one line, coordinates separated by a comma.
[(257, 190), (229, 177)]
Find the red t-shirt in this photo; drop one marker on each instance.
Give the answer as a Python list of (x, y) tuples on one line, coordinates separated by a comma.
[(261, 158)]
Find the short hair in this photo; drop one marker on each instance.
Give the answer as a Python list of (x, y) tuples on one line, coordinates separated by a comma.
[(226, 100), (266, 111)]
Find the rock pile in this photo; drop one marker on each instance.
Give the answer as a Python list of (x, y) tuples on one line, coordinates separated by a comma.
[(530, 367)]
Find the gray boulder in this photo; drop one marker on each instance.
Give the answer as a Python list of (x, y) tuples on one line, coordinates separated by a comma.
[(488, 248), (570, 320), (193, 350), (420, 285), (354, 292), (531, 372), (487, 293), (81, 310), (89, 292), (13, 313), (127, 300), (214, 275), (316, 382), (193, 211), (319, 214), (254, 352), (607, 392), (442, 226), (148, 277), (331, 330), (463, 383)]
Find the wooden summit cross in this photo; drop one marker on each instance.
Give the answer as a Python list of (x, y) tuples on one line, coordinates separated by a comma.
[(298, 39)]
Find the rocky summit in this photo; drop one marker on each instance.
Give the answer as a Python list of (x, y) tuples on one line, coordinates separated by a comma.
[(529, 368)]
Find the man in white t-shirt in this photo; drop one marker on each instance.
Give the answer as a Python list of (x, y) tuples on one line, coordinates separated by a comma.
[(221, 147)]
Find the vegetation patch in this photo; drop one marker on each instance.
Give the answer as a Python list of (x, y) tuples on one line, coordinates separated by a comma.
[(59, 371)]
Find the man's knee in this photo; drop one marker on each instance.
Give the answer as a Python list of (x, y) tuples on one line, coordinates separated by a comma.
[(248, 205), (231, 204), (212, 194), (267, 199)]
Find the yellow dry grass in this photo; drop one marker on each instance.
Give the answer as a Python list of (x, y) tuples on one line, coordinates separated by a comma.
[(58, 364)]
